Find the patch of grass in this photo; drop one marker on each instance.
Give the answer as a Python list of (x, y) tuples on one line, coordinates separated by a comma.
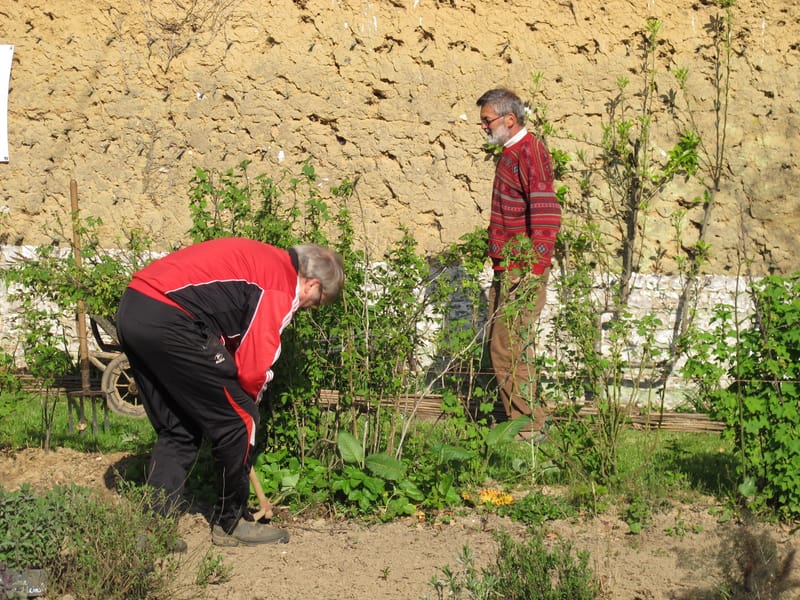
[(706, 461), (676, 465), (656, 469), (21, 427)]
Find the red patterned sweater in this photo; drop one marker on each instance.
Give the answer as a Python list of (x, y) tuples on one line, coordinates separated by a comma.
[(524, 203)]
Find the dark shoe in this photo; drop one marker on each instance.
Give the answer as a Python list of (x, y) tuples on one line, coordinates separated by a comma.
[(248, 533)]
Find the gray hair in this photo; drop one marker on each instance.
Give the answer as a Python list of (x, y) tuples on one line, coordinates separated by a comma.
[(504, 101), (324, 264)]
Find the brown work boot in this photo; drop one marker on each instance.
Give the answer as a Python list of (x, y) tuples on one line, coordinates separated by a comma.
[(248, 533)]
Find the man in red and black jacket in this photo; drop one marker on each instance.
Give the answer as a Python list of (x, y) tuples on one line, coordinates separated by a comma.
[(202, 328), (524, 207)]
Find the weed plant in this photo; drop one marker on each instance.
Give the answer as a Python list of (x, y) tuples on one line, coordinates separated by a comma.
[(754, 567), (523, 570), (89, 547), (535, 508), (213, 570)]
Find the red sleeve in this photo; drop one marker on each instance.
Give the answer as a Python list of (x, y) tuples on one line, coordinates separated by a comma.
[(260, 346)]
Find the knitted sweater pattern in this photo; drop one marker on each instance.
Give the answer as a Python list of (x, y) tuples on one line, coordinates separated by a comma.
[(524, 203)]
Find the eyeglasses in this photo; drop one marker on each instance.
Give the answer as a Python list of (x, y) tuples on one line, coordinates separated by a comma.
[(487, 122)]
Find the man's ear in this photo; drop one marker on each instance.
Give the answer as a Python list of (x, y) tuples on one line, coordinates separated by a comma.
[(309, 283)]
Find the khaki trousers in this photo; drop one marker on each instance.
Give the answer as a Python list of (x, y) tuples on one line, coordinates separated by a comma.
[(513, 316)]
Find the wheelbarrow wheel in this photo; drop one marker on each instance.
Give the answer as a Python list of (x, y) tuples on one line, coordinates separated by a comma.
[(120, 389)]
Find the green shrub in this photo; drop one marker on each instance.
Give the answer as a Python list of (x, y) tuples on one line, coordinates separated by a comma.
[(536, 508), (89, 547), (524, 570), (761, 357), (54, 276), (9, 381)]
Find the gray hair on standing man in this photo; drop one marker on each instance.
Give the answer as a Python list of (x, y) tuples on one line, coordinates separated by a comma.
[(505, 102)]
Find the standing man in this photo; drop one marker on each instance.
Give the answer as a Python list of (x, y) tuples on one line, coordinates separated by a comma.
[(202, 328), (523, 226)]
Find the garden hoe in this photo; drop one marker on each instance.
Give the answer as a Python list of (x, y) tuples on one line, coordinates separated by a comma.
[(266, 508)]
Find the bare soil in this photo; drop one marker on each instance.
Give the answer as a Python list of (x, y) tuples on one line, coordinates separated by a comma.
[(680, 555)]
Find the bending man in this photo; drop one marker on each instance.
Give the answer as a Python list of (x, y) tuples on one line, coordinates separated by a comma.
[(202, 328)]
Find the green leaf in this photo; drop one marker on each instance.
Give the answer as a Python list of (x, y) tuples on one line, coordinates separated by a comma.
[(385, 466), (374, 486), (448, 453), (290, 481), (350, 448), (444, 485), (400, 506), (411, 490), (506, 431), (748, 488)]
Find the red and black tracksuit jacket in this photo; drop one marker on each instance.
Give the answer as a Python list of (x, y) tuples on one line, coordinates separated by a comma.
[(202, 328)]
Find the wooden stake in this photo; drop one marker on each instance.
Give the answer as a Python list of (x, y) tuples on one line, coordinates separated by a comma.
[(80, 316)]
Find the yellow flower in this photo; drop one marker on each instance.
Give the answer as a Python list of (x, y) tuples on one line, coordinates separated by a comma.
[(495, 497)]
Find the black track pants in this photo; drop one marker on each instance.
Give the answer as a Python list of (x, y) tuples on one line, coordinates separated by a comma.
[(188, 384)]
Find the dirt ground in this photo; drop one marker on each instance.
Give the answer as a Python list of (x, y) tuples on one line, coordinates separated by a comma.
[(677, 557)]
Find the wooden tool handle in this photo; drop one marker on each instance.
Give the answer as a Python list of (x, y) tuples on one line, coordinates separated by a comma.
[(266, 507)]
